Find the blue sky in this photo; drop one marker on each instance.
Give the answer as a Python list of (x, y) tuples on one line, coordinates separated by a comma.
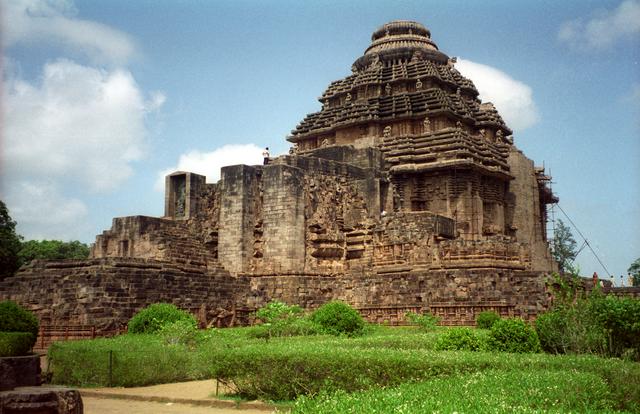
[(100, 99)]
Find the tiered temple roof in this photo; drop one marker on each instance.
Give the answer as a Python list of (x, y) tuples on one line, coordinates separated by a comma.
[(404, 80)]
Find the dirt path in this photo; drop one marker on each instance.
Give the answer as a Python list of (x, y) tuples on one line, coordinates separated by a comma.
[(186, 397), (94, 405)]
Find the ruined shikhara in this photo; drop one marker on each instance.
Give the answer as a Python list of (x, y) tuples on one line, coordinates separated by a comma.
[(403, 193)]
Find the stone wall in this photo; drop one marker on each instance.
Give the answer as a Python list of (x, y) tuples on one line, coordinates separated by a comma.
[(106, 293), (629, 291), (239, 206), (146, 237), (361, 157), (454, 295), (283, 218)]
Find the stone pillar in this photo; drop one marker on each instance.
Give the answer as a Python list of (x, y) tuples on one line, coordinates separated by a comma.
[(238, 191), (283, 215)]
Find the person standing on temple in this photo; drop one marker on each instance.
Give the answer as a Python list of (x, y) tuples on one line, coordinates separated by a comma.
[(265, 155)]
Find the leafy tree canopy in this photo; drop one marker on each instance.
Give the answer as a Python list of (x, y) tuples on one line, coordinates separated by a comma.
[(563, 247), (10, 243), (52, 250), (634, 269)]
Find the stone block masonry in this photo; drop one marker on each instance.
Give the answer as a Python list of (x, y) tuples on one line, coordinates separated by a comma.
[(456, 296), (240, 195), (283, 218), (106, 293)]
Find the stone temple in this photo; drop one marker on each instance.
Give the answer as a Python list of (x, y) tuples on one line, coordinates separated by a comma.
[(403, 193)]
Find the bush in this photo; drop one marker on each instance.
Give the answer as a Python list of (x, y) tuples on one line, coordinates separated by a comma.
[(620, 317), (571, 330), (181, 332), (459, 339), (283, 370), (590, 322), (136, 360), (14, 318), (513, 335), (285, 327), (276, 310), (280, 319), (15, 343), (426, 321), (485, 320), (338, 318), (552, 329), (154, 317)]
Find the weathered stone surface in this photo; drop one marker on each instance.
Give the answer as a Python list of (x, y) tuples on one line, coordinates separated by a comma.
[(19, 371), (41, 400), (107, 292)]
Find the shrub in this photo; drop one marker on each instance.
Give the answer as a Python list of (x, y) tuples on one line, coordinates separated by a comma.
[(15, 343), (620, 317), (459, 339), (154, 317), (275, 310), (590, 322), (283, 370), (285, 327), (281, 319), (552, 328), (485, 320), (136, 360), (337, 318), (180, 332), (14, 318), (426, 321), (571, 330), (513, 335)]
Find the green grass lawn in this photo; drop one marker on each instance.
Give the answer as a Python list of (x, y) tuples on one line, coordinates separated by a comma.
[(386, 370)]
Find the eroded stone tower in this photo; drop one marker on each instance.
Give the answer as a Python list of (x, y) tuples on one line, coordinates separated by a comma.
[(444, 151), (404, 192)]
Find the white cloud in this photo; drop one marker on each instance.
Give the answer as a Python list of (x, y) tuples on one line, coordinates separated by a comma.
[(209, 163), (604, 29), (80, 123), (513, 99), (54, 22), (78, 126), (42, 212)]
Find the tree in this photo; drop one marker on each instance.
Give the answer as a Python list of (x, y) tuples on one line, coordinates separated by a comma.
[(52, 250), (9, 243), (563, 247), (634, 270)]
